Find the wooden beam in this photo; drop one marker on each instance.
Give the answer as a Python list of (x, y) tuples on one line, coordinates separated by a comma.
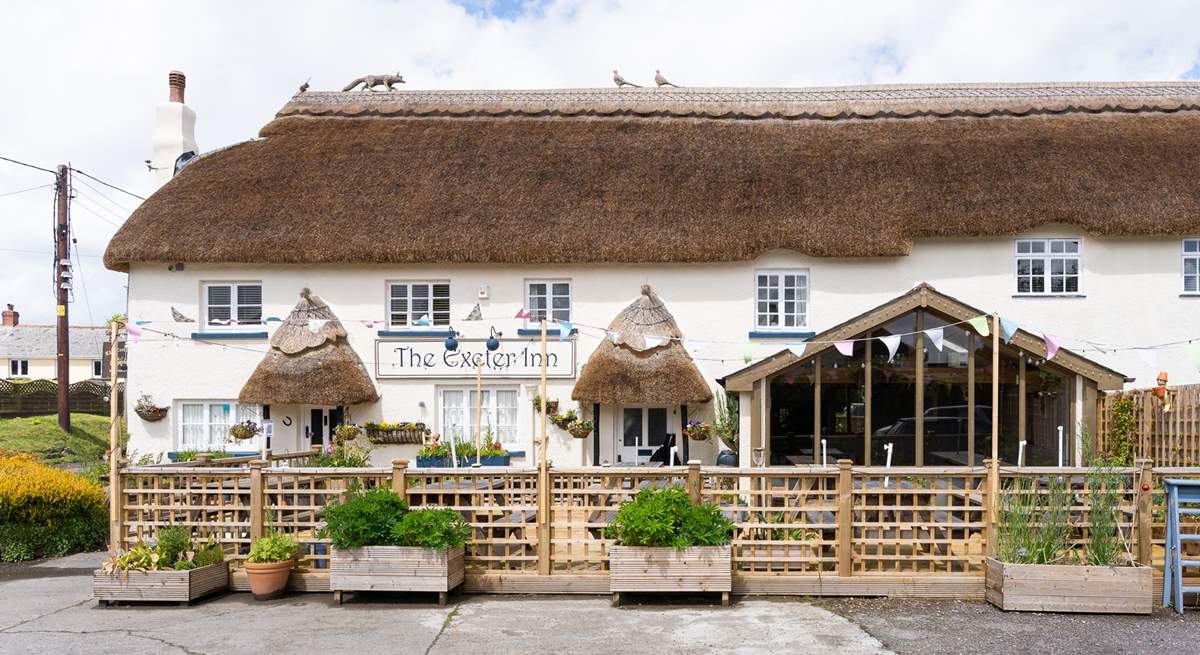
[(817, 411), (845, 524), (1021, 408), (867, 398), (919, 363), (970, 398)]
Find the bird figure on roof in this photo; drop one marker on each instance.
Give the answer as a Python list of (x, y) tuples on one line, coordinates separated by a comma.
[(304, 87), (662, 81), (622, 81)]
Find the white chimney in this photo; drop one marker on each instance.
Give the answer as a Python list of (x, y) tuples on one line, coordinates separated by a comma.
[(174, 130)]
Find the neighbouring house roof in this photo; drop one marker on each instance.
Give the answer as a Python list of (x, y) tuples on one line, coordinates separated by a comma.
[(687, 175), (628, 370), (922, 296), (41, 341), (310, 363)]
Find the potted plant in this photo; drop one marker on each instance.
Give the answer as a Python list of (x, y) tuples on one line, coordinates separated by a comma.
[(434, 454), (664, 543), (551, 405), (380, 545), (346, 451), (244, 430), (726, 425), (146, 409), (174, 569), (493, 453), (1037, 568), (563, 421), (697, 430), (581, 429), (269, 565)]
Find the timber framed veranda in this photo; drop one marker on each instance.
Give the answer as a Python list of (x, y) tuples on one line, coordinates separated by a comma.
[(800, 530)]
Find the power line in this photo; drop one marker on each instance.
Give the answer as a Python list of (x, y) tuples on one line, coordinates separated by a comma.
[(32, 188), (111, 186), (83, 285), (99, 205), (43, 252), (100, 193), (39, 168), (97, 214)]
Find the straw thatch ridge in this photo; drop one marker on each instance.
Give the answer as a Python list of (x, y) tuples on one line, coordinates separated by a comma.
[(400, 190), (631, 371), (307, 366)]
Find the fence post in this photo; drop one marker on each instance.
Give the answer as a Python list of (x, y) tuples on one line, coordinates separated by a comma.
[(399, 481), (1145, 512), (845, 511), (258, 516), (116, 506), (202, 459), (991, 499), (693, 480), (543, 520)]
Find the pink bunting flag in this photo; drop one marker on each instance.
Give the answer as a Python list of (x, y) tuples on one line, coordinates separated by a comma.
[(1051, 345), (845, 347), (133, 331), (524, 313), (369, 324)]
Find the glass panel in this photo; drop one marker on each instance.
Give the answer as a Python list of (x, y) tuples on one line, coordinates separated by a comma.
[(249, 294), (894, 395), (562, 288), (1191, 265), (983, 402), (1047, 408), (1039, 285), (1191, 245), (1022, 247), (946, 396), (1072, 246), (399, 290), (632, 426), (452, 414), (792, 415), (1191, 283), (1072, 285), (1037, 246), (1037, 266), (249, 314), (656, 425), (506, 415), (220, 295), (843, 388), (218, 314)]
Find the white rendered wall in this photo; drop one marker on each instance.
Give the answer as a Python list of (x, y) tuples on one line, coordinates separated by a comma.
[(1132, 295), (174, 134)]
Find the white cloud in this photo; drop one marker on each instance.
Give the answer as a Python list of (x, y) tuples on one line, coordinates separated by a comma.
[(80, 79)]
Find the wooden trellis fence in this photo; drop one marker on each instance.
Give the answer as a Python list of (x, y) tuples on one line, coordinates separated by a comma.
[(844, 530), (41, 397), (1168, 438)]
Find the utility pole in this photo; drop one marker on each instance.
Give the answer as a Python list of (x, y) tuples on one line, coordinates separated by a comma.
[(62, 288)]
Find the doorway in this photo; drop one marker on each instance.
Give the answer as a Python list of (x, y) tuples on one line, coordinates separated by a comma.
[(646, 435), (319, 424)]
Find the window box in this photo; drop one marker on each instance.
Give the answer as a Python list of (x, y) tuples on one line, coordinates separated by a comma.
[(1069, 588), (490, 460), (395, 568), (433, 462), (703, 569), (160, 586)]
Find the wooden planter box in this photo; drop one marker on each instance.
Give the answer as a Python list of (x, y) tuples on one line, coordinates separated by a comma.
[(433, 462), (395, 568), (705, 569), (160, 586), (1067, 588)]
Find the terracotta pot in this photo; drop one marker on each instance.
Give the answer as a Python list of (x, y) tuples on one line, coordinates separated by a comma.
[(268, 580)]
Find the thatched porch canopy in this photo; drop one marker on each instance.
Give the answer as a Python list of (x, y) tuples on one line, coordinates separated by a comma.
[(310, 362), (628, 369)]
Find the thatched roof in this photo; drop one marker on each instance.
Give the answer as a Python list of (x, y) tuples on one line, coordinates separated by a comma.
[(310, 367), (632, 371), (646, 175)]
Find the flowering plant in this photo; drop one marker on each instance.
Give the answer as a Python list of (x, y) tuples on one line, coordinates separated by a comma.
[(244, 430), (698, 430)]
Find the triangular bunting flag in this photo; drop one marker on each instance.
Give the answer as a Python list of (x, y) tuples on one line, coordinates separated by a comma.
[(893, 344), (475, 315), (524, 313), (425, 320), (1008, 329), (797, 348), (142, 322), (133, 331), (1193, 351), (564, 330), (1051, 345), (273, 319), (980, 323), (936, 335), (748, 353), (1149, 357), (845, 347), (369, 324), (653, 342), (614, 337)]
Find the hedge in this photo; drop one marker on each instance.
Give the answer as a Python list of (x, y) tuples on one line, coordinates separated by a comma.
[(46, 512)]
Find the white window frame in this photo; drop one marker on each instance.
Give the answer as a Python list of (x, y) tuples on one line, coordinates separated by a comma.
[(490, 409), (237, 413), (410, 315), (234, 305), (1048, 257), (550, 296), (21, 366), (802, 317), (97, 368), (1192, 256)]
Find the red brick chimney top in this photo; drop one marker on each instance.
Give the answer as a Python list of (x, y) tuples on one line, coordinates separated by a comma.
[(177, 81), (11, 316)]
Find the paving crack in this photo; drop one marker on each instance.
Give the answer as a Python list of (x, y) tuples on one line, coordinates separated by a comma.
[(445, 624), (122, 631), (42, 616)]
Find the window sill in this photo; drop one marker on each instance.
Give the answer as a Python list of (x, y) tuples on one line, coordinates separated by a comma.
[(1049, 295), (415, 333), (1189, 295), (229, 335), (771, 334), (537, 332)]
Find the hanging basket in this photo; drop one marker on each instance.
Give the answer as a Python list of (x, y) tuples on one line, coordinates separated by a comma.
[(699, 432), (244, 431), (151, 413), (580, 433)]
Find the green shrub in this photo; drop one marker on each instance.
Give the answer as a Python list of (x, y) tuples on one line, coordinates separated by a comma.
[(666, 517), (439, 529), (275, 547), (363, 519), (1034, 528), (173, 543), (46, 512)]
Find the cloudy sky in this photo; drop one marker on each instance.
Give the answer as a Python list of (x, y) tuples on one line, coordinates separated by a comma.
[(80, 80)]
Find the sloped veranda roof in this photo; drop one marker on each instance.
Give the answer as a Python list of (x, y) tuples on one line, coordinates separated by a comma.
[(649, 175)]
